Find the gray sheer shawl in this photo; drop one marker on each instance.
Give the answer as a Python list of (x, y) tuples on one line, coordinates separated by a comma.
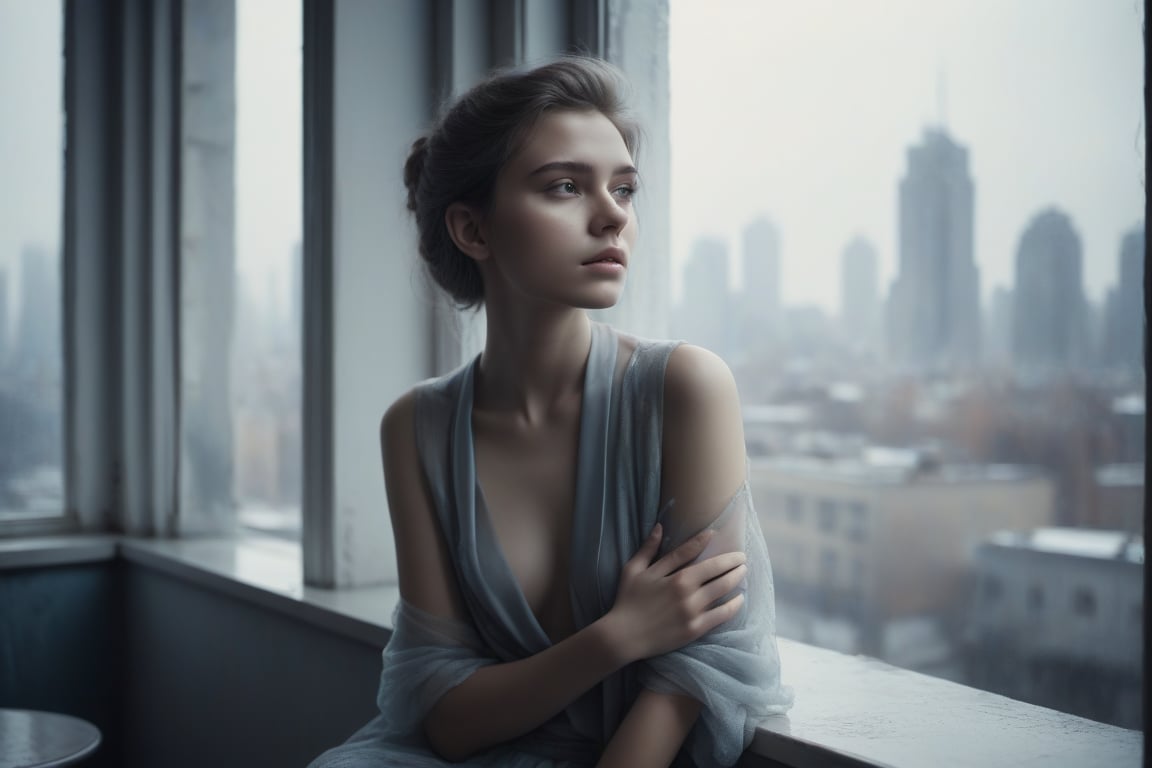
[(734, 670)]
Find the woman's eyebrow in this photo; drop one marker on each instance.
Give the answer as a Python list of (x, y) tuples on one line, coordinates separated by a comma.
[(575, 166)]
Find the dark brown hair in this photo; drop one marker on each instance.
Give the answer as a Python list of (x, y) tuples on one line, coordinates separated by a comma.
[(460, 157)]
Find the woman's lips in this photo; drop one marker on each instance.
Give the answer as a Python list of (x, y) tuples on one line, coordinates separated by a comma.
[(608, 261)]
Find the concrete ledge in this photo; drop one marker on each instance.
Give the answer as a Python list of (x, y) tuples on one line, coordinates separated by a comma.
[(41, 552), (881, 715), (849, 711)]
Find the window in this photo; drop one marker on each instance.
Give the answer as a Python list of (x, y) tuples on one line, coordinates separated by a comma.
[(827, 515), (795, 510), (266, 402), (857, 526), (863, 213), (1084, 602), (829, 566), (241, 259), (993, 589), (31, 199), (1035, 599)]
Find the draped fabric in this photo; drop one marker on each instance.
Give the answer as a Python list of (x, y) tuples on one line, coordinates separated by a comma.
[(734, 670)]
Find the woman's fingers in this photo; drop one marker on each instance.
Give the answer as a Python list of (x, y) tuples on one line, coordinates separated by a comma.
[(726, 611), (683, 554), (722, 585), (706, 570), (649, 548)]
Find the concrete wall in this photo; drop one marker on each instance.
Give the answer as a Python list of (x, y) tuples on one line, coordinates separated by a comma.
[(60, 650), (177, 675), (908, 549)]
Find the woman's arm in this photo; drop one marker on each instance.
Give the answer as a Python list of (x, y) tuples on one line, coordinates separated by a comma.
[(652, 732), (703, 464), (660, 606)]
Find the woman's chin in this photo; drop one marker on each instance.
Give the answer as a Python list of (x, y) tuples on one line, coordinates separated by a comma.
[(602, 300)]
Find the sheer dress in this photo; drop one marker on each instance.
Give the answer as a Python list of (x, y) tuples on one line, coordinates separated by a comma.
[(734, 670)]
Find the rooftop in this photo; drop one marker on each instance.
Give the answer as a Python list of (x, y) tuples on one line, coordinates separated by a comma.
[(890, 466), (1121, 475), (1075, 542)]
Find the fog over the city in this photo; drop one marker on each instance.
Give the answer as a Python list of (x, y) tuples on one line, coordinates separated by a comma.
[(804, 111), (799, 110), (31, 136)]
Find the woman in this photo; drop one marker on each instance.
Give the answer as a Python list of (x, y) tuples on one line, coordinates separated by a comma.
[(548, 616)]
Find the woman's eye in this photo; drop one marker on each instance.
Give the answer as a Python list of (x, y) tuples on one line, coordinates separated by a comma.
[(565, 188), (625, 192)]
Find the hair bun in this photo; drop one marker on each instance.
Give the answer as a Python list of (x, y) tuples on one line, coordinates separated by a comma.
[(414, 169)]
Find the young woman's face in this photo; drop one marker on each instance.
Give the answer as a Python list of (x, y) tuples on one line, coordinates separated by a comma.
[(561, 227)]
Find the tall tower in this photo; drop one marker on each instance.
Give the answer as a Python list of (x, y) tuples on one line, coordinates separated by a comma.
[(761, 268), (997, 346), (859, 294), (1123, 343), (757, 325), (705, 315), (38, 345), (1048, 320), (934, 314)]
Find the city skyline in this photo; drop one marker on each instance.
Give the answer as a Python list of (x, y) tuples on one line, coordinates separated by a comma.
[(1049, 104), (1087, 55)]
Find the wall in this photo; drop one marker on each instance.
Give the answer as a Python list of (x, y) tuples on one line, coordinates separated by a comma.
[(59, 649), (216, 681), (177, 675)]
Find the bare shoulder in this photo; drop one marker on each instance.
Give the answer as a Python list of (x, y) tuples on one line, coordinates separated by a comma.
[(424, 564), (698, 380), (703, 461), (398, 426)]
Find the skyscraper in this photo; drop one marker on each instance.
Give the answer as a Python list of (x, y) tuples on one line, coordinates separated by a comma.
[(757, 324), (860, 294), (997, 339), (38, 345), (934, 310), (1048, 320), (705, 314), (761, 268), (1123, 343)]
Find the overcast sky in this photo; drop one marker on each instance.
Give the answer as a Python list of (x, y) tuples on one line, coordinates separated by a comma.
[(800, 109), (804, 110), (31, 133)]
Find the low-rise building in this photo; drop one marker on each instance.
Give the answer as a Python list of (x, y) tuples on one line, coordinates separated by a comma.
[(1119, 497), (887, 536), (1057, 618)]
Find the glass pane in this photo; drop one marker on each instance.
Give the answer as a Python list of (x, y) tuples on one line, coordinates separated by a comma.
[(31, 362), (923, 260), (241, 266), (266, 403)]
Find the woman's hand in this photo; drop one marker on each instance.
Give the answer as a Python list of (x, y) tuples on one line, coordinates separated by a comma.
[(664, 605)]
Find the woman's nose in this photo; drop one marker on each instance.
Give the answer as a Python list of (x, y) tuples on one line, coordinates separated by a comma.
[(610, 214)]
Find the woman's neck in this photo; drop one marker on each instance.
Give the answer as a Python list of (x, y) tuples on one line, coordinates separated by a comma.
[(532, 361)]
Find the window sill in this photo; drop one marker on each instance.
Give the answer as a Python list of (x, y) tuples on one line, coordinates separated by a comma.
[(849, 710)]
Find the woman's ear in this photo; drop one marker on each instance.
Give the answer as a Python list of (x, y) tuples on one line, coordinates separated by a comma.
[(466, 230)]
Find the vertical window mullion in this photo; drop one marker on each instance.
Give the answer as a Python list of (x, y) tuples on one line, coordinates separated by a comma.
[(317, 341)]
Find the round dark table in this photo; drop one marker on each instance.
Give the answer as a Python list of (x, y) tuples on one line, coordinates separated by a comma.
[(31, 739)]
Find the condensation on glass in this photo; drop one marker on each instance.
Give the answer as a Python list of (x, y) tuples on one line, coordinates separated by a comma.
[(241, 292), (31, 200)]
